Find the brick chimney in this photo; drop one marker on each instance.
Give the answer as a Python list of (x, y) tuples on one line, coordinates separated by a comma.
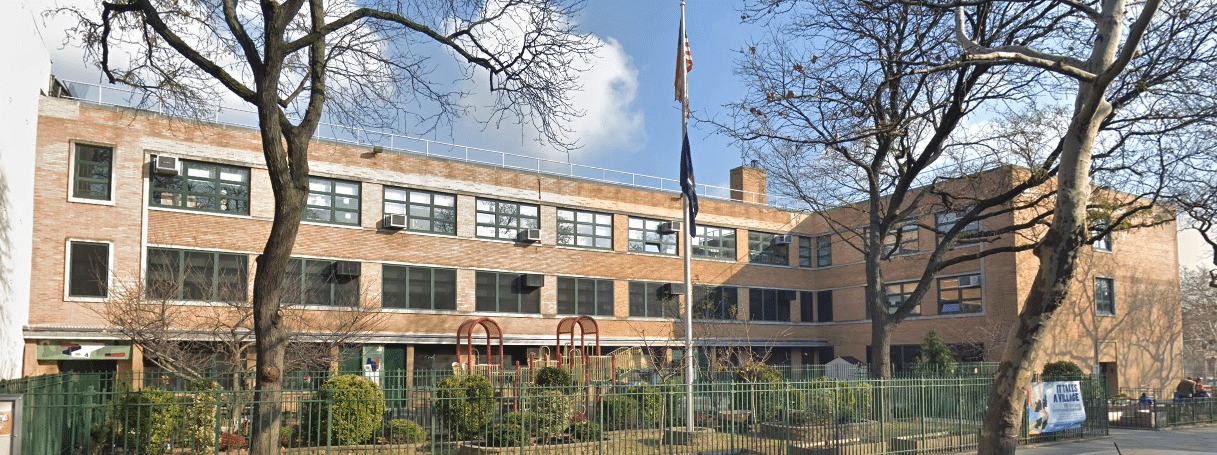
[(748, 184)]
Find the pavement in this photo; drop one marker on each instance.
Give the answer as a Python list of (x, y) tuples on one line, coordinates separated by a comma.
[(1199, 440)]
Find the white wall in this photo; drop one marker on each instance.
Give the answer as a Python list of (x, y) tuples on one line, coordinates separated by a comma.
[(28, 68)]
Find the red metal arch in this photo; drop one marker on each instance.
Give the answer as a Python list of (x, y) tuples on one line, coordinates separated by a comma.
[(464, 342), (586, 326)]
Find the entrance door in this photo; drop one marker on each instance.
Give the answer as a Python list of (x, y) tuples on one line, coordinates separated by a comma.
[(1111, 373)]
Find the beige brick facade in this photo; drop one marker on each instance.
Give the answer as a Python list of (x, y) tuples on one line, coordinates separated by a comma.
[(1141, 342)]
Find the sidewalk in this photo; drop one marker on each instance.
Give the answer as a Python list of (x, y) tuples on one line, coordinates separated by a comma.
[(1200, 440)]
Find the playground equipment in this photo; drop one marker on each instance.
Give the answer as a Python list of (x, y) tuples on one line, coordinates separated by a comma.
[(467, 356), (581, 358)]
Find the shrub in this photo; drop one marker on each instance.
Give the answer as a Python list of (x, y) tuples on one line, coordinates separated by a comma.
[(465, 404), (507, 435), (229, 441), (1061, 369), (348, 408), (198, 414), (761, 389), (405, 431), (650, 401), (618, 412), (289, 436), (585, 431), (935, 359), (147, 419), (837, 401), (553, 377), (553, 411), (525, 419)]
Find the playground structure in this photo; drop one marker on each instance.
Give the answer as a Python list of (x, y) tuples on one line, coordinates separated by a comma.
[(584, 361)]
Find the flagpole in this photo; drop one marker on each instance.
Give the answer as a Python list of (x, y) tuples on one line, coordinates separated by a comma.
[(690, 356)]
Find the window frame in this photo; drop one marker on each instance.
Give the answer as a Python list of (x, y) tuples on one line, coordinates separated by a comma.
[(959, 291), (648, 235), (572, 238), (180, 198), (333, 195), (599, 288), (824, 250), (710, 234), (943, 226), (651, 301), (516, 287), (406, 206), (760, 245), (906, 288), (333, 285), (726, 309), (498, 224), (407, 293), (74, 176), (771, 307), (180, 282), (69, 267), (901, 229), (1111, 296)]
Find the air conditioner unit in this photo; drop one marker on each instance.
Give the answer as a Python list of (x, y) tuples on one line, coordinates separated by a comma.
[(533, 280), (529, 235), (167, 165), (346, 269), (969, 280), (783, 239), (787, 296), (671, 290), (395, 221), (670, 227)]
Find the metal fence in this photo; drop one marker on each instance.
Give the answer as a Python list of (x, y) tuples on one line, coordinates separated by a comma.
[(102, 414), (1163, 409)]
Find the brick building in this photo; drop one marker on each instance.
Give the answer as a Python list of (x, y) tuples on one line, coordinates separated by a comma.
[(145, 198)]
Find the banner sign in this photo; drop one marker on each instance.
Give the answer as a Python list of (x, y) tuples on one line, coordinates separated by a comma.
[(83, 351), (1054, 406), (372, 356)]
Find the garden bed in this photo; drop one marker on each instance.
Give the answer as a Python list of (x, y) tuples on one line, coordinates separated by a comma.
[(868, 430), (932, 443)]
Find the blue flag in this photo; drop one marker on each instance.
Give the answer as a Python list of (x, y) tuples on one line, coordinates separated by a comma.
[(687, 185)]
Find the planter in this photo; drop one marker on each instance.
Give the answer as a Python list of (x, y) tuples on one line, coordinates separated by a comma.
[(473, 448), (865, 430), (933, 443), (682, 435), (837, 447)]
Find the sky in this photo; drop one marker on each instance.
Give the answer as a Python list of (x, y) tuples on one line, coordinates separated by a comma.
[(632, 122)]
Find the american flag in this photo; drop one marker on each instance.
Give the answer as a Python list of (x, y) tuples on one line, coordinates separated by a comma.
[(683, 54)]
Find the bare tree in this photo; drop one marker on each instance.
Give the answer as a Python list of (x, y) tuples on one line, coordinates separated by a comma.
[(1199, 305), (360, 63)]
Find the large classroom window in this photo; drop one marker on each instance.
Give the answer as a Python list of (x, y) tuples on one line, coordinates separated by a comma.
[(332, 201), (902, 240), (321, 282), (585, 229), (506, 293), (769, 304), (715, 302), (197, 275), (503, 220), (644, 237), (714, 243), (207, 187), (425, 211), (585, 296), (652, 300), (960, 294), (763, 248), (419, 288)]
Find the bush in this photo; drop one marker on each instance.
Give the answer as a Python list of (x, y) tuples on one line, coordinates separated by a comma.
[(229, 441), (198, 414), (289, 436), (762, 390), (618, 412), (829, 400), (525, 419), (506, 435), (147, 420), (585, 431), (348, 408), (650, 401), (553, 377), (405, 431), (553, 411), (465, 404), (1061, 369)]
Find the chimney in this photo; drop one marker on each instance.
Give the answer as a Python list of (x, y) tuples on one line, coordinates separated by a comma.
[(748, 184)]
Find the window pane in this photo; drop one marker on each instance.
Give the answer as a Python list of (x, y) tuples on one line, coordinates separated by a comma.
[(163, 266), (93, 168), (89, 269), (445, 289), (486, 288), (566, 296), (203, 186), (197, 281), (393, 286), (420, 288)]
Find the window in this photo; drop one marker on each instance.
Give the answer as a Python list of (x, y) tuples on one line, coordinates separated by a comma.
[(946, 220), (959, 294), (321, 282), (715, 302), (1104, 297), (206, 187), (644, 237), (506, 293), (197, 275), (714, 243), (824, 306), (1101, 243), (585, 296), (88, 269), (824, 251), (903, 240), (419, 288), (585, 229), (821, 311), (332, 201), (503, 220), (898, 293), (425, 211), (762, 249), (804, 251), (92, 172), (652, 300), (769, 304)]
